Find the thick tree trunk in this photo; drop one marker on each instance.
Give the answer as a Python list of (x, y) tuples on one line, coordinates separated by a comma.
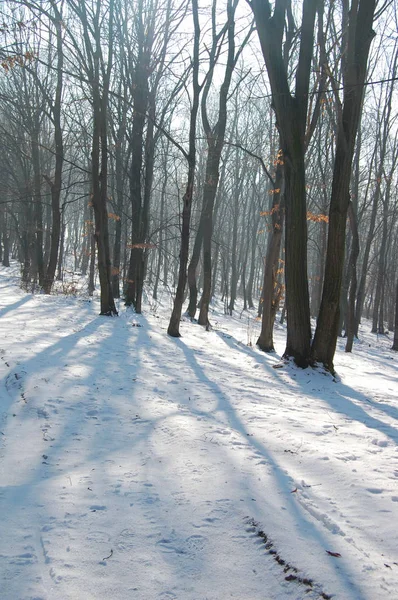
[(136, 193), (291, 113), (297, 294), (359, 36)]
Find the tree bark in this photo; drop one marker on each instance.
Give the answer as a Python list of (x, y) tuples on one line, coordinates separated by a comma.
[(359, 37), (265, 342), (291, 115), (352, 266), (395, 343), (174, 324)]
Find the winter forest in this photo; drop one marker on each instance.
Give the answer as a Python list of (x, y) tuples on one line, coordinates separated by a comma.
[(230, 149), (221, 176)]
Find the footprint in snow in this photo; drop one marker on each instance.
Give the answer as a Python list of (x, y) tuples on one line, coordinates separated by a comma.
[(101, 537), (196, 542)]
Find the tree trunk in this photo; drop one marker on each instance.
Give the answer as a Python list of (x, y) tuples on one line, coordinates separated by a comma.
[(174, 324), (91, 277), (291, 114), (99, 164), (359, 36), (265, 342), (61, 248), (55, 185), (140, 94), (192, 267), (160, 244), (352, 266), (209, 195), (38, 209), (376, 326), (395, 343)]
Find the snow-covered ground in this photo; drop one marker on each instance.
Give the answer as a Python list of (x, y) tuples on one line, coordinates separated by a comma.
[(135, 466)]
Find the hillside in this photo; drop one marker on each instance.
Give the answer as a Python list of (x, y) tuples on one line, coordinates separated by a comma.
[(133, 465)]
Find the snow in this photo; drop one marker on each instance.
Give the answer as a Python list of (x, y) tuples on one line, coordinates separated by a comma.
[(133, 465)]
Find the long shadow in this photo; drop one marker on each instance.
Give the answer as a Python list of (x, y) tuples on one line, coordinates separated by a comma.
[(47, 357), (83, 437), (80, 436), (342, 403), (339, 397), (15, 305), (261, 359), (101, 362), (307, 528)]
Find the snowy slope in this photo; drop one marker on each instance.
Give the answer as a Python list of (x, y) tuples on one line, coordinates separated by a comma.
[(135, 466)]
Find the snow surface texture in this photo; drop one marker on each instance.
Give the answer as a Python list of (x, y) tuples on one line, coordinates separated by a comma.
[(136, 466)]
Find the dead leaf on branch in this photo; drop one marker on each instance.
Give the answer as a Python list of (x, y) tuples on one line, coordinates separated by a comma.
[(141, 246)]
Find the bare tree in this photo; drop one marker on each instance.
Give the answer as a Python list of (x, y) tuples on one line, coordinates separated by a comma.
[(174, 325), (357, 25), (292, 118)]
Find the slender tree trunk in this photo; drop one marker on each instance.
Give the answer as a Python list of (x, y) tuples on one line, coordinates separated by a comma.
[(61, 247), (209, 195), (250, 282), (215, 140), (265, 341), (99, 163), (352, 266), (119, 179), (38, 209), (380, 275), (174, 324), (144, 221), (160, 244), (91, 277), (140, 94), (55, 185), (192, 267), (395, 343)]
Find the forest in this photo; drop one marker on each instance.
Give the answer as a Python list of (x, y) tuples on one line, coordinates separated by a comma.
[(238, 150), (198, 299)]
